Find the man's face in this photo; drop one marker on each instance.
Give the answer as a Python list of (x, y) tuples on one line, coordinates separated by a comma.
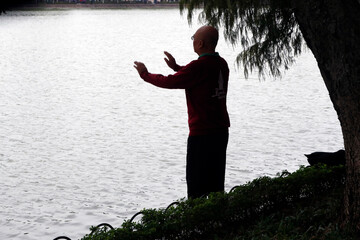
[(196, 42)]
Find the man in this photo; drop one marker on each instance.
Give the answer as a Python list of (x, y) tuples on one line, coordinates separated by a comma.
[(205, 81)]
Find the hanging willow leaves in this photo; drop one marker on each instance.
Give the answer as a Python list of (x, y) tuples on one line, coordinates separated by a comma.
[(267, 30)]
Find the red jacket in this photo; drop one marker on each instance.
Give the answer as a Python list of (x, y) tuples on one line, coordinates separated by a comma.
[(205, 81)]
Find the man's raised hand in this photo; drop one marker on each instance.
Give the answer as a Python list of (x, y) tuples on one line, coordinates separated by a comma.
[(140, 67), (170, 61)]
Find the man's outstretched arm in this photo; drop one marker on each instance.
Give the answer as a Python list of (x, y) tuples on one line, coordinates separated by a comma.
[(183, 79)]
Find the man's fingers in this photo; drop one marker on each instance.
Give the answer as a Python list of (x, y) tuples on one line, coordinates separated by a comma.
[(168, 55), (140, 67), (138, 64)]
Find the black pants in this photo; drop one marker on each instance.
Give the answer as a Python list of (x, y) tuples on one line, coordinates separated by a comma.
[(205, 164)]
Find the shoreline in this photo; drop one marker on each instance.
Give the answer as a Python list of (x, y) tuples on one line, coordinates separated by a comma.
[(62, 6)]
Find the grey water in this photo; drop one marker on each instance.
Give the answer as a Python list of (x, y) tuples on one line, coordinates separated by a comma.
[(83, 140)]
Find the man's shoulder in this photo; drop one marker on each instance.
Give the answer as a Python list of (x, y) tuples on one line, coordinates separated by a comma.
[(206, 61), (211, 58), (193, 64)]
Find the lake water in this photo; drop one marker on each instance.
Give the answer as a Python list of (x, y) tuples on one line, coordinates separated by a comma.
[(83, 140)]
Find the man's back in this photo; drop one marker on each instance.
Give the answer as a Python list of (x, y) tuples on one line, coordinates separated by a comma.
[(206, 98)]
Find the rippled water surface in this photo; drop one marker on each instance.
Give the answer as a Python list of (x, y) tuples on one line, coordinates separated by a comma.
[(83, 140)]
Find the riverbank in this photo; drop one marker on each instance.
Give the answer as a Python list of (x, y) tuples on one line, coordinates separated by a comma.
[(62, 6), (302, 205)]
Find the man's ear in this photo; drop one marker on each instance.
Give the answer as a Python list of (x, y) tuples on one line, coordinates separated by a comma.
[(201, 43)]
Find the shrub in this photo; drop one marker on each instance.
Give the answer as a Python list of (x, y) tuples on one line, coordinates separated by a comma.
[(301, 205)]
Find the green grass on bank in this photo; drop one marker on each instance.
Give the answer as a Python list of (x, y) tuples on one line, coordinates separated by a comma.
[(303, 205)]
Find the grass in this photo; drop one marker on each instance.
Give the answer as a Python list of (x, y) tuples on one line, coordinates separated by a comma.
[(303, 205)]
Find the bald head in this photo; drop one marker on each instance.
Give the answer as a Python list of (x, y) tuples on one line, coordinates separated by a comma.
[(208, 37)]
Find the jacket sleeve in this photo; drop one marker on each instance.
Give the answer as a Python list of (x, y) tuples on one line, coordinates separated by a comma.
[(178, 68), (184, 78)]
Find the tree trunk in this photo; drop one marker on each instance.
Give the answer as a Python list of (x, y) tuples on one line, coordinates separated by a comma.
[(331, 29)]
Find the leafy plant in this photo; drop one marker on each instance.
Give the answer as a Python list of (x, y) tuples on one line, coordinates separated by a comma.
[(301, 205)]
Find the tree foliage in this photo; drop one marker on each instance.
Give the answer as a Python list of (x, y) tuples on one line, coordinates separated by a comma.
[(267, 30)]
